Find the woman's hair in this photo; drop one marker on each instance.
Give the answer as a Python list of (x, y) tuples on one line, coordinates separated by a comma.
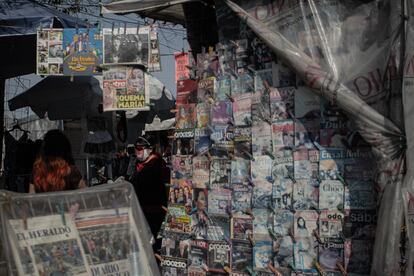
[(54, 163)]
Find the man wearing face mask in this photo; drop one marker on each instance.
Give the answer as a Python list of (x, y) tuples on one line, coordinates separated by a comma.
[(149, 180)]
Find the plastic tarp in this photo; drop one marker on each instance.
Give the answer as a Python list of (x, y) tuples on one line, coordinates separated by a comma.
[(24, 17), (162, 10), (92, 231), (348, 52)]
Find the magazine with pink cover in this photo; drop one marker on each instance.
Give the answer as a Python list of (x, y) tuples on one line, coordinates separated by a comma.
[(221, 113)]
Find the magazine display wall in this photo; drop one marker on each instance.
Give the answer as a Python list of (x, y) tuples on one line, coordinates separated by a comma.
[(92, 231), (268, 179)]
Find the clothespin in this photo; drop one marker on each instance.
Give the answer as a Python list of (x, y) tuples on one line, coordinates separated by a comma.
[(341, 268), (138, 28), (246, 152), (210, 50), (291, 115), (319, 268), (61, 211), (174, 110), (159, 257), (292, 235), (228, 211), (250, 271), (268, 153), (313, 207), (249, 212), (230, 97), (251, 239), (273, 269), (226, 268), (290, 176), (272, 234), (24, 215), (290, 208), (193, 211), (271, 208), (210, 99), (113, 28), (165, 209), (292, 266), (209, 156), (339, 176), (318, 238), (205, 267)]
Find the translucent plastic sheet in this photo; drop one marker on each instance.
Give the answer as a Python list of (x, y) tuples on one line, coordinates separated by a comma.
[(348, 52), (93, 231)]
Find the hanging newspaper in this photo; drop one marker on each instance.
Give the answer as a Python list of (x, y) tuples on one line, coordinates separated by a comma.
[(126, 46), (49, 52), (125, 88), (181, 66), (155, 58), (83, 51)]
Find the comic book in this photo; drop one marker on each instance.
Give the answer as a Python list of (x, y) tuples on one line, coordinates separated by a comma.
[(262, 255), (242, 255), (240, 171), (242, 109), (262, 194), (331, 253), (183, 144), (305, 195), (186, 92), (330, 224), (220, 173), (305, 253), (262, 222), (282, 193), (201, 140), (360, 224), (198, 254), (218, 256), (172, 266), (201, 172), (182, 166), (283, 165), (302, 165), (186, 116), (219, 201), (241, 227), (305, 223), (331, 195), (278, 108), (283, 222), (241, 198), (261, 139), (361, 257), (177, 219), (218, 228), (203, 115), (223, 88), (283, 134), (221, 113), (331, 164), (358, 164), (181, 191), (261, 168), (262, 80), (222, 144), (175, 245), (207, 65), (284, 248), (243, 142), (282, 75), (205, 89)]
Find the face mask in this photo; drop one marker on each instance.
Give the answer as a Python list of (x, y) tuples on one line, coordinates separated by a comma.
[(143, 155)]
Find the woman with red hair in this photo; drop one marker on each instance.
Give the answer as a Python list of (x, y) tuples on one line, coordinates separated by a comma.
[(54, 170)]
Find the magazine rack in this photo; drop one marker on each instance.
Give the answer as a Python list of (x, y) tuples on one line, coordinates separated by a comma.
[(92, 231)]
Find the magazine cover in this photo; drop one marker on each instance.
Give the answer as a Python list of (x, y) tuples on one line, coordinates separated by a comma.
[(226, 53), (125, 88), (83, 51), (201, 140), (47, 236), (262, 194), (241, 227), (154, 64), (182, 72), (199, 219), (201, 172), (331, 164), (178, 219), (283, 134), (283, 222), (223, 89), (126, 46), (305, 132), (221, 137), (305, 195), (261, 223), (175, 244), (112, 230), (282, 75), (50, 52), (330, 254), (242, 109), (330, 224), (198, 253), (284, 248), (278, 108), (241, 198), (361, 257), (260, 108), (206, 89), (200, 199), (207, 65), (220, 172), (305, 223), (183, 146), (358, 164), (219, 228), (331, 195), (262, 80), (243, 142), (218, 256), (262, 255), (186, 92), (242, 255), (301, 164), (288, 97), (186, 116), (172, 266), (240, 171), (261, 139), (221, 113), (182, 166), (283, 193), (261, 168), (360, 224), (242, 83), (305, 253), (203, 115), (219, 201), (181, 191), (283, 165), (314, 165)]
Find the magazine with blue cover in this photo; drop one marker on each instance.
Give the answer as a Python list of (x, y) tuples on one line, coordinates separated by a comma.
[(242, 255), (262, 255), (201, 140)]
